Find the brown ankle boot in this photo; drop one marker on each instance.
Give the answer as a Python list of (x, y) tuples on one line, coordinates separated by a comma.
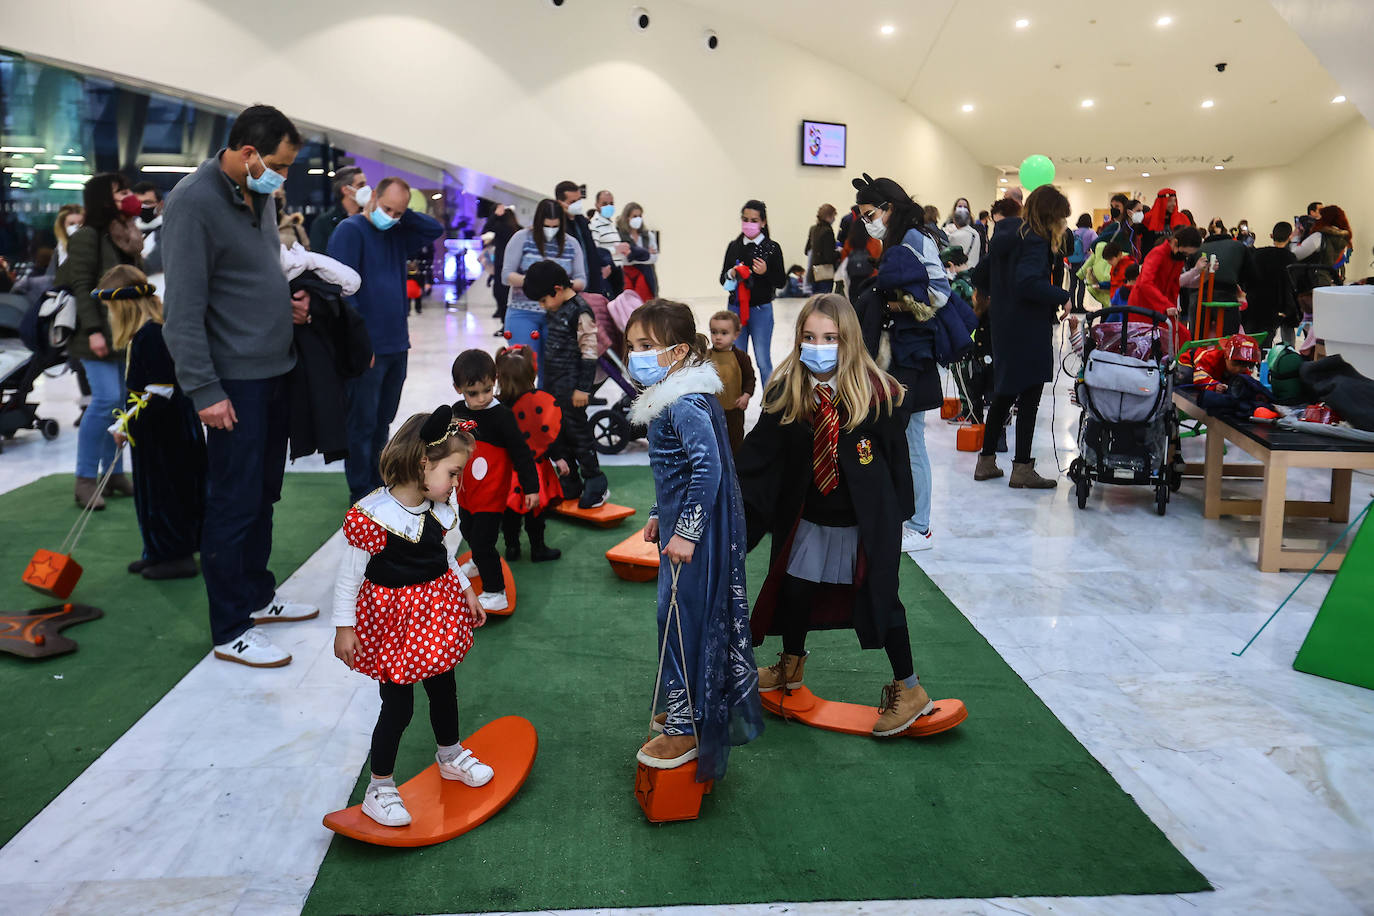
[(88, 494), (1023, 477), (987, 468), (901, 705), (119, 483), (786, 673)]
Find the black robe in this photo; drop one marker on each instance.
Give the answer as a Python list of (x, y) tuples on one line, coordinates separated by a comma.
[(168, 445), (774, 467)]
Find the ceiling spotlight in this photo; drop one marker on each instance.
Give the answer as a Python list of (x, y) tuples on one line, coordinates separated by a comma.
[(1022, 23), (1337, 100), (1111, 168), (1164, 20), (1088, 180), (967, 108), (1144, 174), (1219, 168), (1086, 103), (1002, 180), (436, 196), (888, 29), (1207, 103)]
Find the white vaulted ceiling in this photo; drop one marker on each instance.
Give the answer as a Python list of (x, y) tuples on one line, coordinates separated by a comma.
[(1027, 85)]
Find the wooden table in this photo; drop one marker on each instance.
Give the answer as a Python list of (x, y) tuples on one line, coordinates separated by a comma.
[(1277, 450)]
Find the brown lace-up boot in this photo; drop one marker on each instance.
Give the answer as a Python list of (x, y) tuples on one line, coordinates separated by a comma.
[(786, 673), (901, 705)]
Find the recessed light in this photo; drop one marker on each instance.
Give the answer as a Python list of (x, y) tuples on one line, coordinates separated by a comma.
[(1164, 20), (1337, 100), (1219, 168), (436, 196), (1086, 103), (888, 29), (967, 107), (1022, 23), (1111, 168), (1002, 180), (1088, 180), (1207, 103), (1144, 174)]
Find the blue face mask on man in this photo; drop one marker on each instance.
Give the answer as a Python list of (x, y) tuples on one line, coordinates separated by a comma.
[(644, 367), (608, 211), (267, 182), (382, 220), (820, 358)]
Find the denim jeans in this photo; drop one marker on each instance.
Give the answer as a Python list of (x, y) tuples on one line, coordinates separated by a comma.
[(760, 331), (372, 401), (521, 325), (920, 470), (243, 480), (95, 447)]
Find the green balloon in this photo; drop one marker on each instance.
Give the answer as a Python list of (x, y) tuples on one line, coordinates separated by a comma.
[(1035, 171)]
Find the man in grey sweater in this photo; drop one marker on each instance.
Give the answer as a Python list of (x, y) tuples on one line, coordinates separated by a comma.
[(228, 326)]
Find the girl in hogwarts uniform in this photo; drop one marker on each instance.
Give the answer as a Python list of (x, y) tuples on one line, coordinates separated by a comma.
[(709, 699), (825, 472), (160, 425), (403, 610)]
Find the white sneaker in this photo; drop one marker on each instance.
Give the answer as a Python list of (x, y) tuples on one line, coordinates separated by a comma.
[(493, 601), (279, 610), (469, 569), (383, 804), (913, 540), (465, 768), (253, 649)]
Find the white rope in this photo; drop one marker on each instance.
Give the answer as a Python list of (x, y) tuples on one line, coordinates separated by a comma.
[(79, 527), (674, 614)]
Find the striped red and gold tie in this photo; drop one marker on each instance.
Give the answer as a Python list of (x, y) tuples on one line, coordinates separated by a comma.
[(825, 441)]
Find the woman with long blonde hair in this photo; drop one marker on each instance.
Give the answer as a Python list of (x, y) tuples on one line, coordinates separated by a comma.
[(825, 472), (69, 219)]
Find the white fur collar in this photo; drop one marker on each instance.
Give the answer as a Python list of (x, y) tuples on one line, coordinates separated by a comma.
[(652, 401), (382, 508)]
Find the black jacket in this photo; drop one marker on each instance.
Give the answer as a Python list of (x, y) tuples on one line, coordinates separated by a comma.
[(774, 467), (333, 347), (565, 368), (1023, 308), (1271, 299), (911, 344), (581, 230), (324, 225), (761, 289)]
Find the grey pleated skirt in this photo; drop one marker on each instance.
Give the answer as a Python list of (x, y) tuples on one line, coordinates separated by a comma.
[(822, 554)]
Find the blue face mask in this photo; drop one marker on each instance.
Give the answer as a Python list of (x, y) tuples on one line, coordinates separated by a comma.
[(608, 211), (644, 367), (820, 358), (382, 220), (267, 182)]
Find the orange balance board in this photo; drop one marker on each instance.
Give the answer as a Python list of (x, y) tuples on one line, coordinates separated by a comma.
[(510, 586), (607, 515), (634, 559), (853, 719), (670, 795), (441, 809)]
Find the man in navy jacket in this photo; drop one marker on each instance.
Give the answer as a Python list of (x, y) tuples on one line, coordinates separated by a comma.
[(377, 243)]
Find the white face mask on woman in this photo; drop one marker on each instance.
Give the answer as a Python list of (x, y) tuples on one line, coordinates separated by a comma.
[(1138, 216), (636, 222), (550, 232)]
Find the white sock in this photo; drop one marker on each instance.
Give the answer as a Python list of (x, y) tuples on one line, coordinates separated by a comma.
[(448, 751), (377, 781)]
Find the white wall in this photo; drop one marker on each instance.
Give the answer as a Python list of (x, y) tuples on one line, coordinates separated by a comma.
[(531, 94)]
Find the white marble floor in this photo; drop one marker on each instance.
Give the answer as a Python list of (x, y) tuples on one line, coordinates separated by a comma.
[(1121, 621)]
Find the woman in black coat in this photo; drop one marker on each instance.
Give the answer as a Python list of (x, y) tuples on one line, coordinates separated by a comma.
[(1024, 309)]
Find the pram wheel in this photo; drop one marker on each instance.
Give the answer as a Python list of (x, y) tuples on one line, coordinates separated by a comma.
[(610, 432), (1176, 474), (1083, 487), (49, 428), (1161, 498)]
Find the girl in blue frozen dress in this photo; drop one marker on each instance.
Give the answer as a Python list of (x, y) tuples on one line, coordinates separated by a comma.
[(708, 700)]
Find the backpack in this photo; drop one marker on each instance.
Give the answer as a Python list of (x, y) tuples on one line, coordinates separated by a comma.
[(1284, 363), (1078, 251)]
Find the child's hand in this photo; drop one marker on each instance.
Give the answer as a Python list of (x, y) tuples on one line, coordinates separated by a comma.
[(561, 467), (120, 438), (679, 549), (580, 398), (742, 402), (531, 501), (479, 616), (1172, 312), (345, 645), (651, 531)]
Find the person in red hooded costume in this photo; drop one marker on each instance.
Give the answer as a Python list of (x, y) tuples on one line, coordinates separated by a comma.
[(1164, 217)]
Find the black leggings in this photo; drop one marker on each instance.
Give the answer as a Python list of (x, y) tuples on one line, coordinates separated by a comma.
[(480, 530), (794, 607), (534, 527), (398, 704), (1027, 405)]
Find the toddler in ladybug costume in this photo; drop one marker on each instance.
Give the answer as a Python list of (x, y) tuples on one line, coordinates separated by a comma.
[(540, 422), (403, 611)]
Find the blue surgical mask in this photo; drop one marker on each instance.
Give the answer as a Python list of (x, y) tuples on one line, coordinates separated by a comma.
[(382, 220), (820, 358), (608, 211), (644, 367), (267, 182)]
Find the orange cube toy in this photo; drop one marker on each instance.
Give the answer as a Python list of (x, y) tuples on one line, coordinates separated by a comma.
[(949, 409), (670, 795), (51, 573), (969, 438)]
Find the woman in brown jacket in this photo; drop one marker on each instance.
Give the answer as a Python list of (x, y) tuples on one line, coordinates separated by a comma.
[(820, 244), (108, 238)]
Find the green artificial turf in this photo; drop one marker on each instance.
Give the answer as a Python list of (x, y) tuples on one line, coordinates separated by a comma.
[(63, 712), (1009, 803)]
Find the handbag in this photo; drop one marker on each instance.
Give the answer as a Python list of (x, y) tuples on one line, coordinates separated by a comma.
[(822, 272)]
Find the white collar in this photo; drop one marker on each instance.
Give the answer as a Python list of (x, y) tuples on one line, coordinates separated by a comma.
[(755, 240), (405, 521), (817, 383), (652, 401)]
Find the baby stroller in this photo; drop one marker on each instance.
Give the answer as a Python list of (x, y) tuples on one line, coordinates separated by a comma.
[(21, 362), (1128, 431), (611, 426)]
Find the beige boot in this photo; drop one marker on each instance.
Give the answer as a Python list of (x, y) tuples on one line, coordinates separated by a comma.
[(88, 494), (901, 705), (119, 483), (1023, 477), (987, 468), (786, 673)]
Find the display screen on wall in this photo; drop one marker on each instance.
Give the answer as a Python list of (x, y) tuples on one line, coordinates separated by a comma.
[(822, 143)]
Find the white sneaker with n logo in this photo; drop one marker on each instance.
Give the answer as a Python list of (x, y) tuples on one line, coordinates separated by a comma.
[(253, 649), (279, 610)]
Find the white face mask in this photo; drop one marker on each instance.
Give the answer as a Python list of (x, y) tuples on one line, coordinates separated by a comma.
[(577, 207), (550, 232), (876, 229), (72, 227), (963, 210), (1138, 216), (636, 222), (362, 195)]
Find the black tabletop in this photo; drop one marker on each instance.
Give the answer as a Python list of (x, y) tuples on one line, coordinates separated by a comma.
[(1278, 439)]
